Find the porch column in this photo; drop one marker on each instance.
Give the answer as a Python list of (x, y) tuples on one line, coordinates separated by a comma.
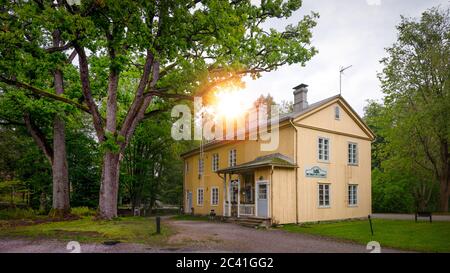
[(224, 193), (228, 197), (239, 197)]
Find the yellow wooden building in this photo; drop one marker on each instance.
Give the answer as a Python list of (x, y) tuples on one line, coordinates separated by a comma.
[(320, 171)]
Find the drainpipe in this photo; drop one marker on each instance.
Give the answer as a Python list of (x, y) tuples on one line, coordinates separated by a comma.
[(296, 171), (271, 194)]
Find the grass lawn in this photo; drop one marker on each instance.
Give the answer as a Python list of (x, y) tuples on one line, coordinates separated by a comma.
[(401, 234), (123, 229)]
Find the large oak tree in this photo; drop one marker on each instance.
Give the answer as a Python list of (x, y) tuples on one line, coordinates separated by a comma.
[(416, 82), (172, 50)]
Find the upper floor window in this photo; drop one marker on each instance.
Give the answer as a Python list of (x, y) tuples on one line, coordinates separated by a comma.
[(200, 166), (232, 158), (186, 167), (215, 162), (352, 153), (324, 149), (324, 195), (337, 112)]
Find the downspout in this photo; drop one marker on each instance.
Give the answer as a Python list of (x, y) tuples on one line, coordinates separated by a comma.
[(296, 170), (271, 194)]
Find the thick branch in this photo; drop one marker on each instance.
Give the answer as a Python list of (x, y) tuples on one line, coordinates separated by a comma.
[(86, 88), (59, 48), (168, 95), (43, 93), (38, 137), (139, 98)]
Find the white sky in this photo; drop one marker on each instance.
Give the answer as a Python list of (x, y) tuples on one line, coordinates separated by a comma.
[(348, 32)]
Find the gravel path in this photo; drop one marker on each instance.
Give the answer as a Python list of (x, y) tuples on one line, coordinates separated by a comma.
[(201, 236), (229, 237), (400, 216)]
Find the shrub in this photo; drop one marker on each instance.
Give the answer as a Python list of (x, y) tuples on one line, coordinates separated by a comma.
[(83, 211), (17, 213)]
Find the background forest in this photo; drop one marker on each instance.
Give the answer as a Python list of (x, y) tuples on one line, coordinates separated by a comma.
[(410, 156)]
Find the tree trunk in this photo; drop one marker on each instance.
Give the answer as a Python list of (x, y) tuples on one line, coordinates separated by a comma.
[(109, 186), (443, 195), (42, 203), (61, 200), (444, 190)]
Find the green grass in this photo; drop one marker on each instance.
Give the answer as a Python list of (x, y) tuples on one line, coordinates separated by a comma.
[(401, 234), (83, 211), (17, 213), (188, 217), (123, 229)]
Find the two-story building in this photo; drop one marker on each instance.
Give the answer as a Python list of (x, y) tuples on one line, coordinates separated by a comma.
[(320, 171)]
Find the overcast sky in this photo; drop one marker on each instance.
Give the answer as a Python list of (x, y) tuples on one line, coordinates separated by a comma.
[(348, 32)]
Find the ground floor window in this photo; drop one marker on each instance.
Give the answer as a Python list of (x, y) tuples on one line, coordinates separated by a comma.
[(214, 196), (200, 196), (324, 195), (352, 195)]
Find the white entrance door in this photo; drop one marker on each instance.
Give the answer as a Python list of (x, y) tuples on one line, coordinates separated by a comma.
[(189, 202), (262, 199)]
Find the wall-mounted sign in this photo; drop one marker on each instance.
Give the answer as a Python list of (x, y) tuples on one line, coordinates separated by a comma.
[(315, 171)]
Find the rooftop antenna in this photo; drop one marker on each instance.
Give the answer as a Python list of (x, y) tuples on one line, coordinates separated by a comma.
[(341, 71)]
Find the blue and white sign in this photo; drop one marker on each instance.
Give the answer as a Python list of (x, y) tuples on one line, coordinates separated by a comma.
[(315, 171)]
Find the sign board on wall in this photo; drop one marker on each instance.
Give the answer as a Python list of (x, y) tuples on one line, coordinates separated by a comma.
[(315, 171)]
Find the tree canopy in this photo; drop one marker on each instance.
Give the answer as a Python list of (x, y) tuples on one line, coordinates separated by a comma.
[(114, 58)]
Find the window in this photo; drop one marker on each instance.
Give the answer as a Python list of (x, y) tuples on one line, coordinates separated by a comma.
[(352, 195), (200, 166), (337, 112), (214, 196), (324, 149), (324, 195), (352, 153), (215, 162), (200, 196), (262, 191), (232, 158), (186, 167)]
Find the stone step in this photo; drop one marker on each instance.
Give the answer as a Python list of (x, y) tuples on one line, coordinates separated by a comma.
[(251, 222)]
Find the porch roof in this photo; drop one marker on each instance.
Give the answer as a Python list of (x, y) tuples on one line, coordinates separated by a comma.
[(276, 160)]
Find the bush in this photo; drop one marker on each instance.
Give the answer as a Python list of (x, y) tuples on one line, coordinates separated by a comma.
[(83, 211), (16, 213)]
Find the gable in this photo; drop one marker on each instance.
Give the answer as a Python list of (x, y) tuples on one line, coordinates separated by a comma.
[(323, 117)]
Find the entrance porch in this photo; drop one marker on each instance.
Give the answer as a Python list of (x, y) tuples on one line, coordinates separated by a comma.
[(246, 187)]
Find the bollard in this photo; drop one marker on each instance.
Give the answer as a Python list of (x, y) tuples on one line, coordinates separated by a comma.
[(370, 221), (158, 225)]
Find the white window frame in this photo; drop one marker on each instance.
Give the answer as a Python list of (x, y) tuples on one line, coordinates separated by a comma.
[(198, 196), (201, 166), (232, 155), (352, 153), (324, 205), (321, 151), (352, 195), (215, 162), (266, 192), (212, 196), (337, 113)]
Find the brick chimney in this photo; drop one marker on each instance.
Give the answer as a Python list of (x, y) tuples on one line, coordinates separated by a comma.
[(300, 97)]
